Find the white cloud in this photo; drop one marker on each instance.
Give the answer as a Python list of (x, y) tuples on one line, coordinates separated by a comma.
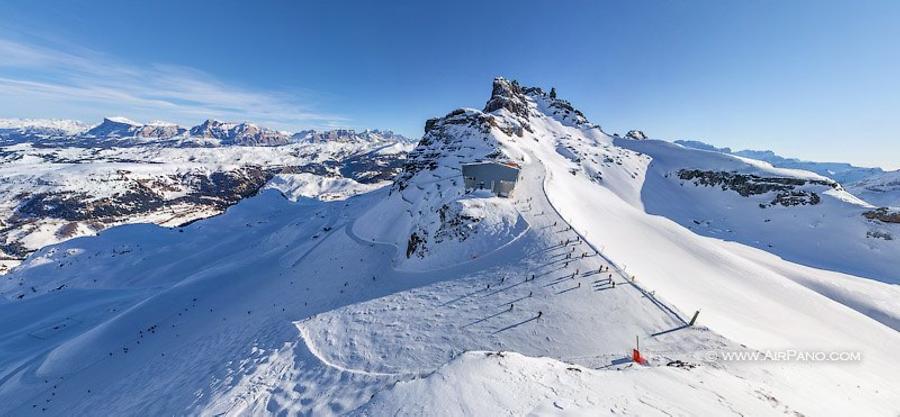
[(79, 77)]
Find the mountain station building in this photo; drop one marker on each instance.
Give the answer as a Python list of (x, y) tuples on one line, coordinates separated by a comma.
[(499, 177)]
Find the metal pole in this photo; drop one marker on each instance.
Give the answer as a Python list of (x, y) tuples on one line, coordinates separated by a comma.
[(694, 319)]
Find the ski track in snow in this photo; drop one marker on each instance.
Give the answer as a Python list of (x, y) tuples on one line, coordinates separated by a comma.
[(280, 308)]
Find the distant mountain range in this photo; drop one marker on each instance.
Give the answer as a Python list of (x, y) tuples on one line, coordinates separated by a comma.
[(61, 179), (122, 132), (874, 185), (841, 172)]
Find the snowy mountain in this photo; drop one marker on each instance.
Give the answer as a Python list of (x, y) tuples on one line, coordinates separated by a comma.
[(881, 190), (19, 130), (114, 127), (243, 134), (49, 194), (428, 298), (349, 135), (122, 132), (841, 172), (874, 185)]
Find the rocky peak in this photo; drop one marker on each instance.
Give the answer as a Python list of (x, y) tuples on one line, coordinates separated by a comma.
[(114, 127), (243, 134), (160, 130), (636, 135), (211, 129), (509, 95)]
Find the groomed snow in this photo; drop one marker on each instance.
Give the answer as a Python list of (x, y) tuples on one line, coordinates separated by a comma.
[(314, 308)]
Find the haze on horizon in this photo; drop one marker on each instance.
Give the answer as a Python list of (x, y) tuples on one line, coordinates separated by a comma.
[(807, 79)]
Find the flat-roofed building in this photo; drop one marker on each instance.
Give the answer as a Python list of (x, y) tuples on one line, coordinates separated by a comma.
[(499, 177)]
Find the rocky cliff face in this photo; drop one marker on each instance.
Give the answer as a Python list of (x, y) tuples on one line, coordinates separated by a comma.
[(160, 131), (507, 95), (348, 136), (242, 134), (787, 191)]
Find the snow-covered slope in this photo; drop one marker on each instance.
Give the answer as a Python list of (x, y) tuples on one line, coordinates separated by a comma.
[(873, 185), (427, 214), (506, 383), (841, 172), (881, 190), (334, 308), (20, 130), (52, 193)]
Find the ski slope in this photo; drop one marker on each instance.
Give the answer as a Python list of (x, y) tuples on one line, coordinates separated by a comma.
[(329, 308)]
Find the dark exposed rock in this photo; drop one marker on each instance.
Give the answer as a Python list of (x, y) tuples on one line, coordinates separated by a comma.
[(883, 214), (371, 168), (507, 95), (413, 244), (879, 234), (454, 224), (636, 135), (438, 141), (746, 185), (229, 187), (15, 249), (219, 189)]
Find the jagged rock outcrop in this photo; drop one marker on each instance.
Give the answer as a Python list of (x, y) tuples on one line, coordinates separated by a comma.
[(442, 138), (507, 95), (636, 135)]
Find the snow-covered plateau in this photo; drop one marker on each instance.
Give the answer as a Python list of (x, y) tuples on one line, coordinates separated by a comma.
[(425, 298)]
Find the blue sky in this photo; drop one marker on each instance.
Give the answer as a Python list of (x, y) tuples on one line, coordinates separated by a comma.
[(813, 79)]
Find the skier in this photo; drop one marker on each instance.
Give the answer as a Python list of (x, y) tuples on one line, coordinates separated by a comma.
[(540, 313), (530, 293), (511, 306)]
